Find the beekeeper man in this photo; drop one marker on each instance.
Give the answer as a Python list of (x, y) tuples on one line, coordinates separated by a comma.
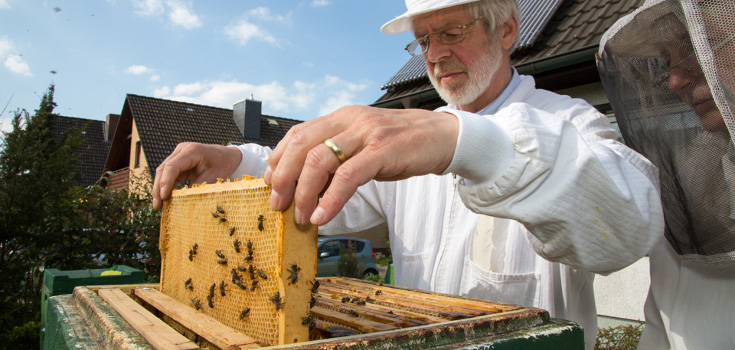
[(668, 70), (510, 193)]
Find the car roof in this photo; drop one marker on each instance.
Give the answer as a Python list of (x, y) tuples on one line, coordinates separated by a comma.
[(321, 239)]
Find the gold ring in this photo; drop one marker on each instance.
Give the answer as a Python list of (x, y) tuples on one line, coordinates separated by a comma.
[(336, 150)]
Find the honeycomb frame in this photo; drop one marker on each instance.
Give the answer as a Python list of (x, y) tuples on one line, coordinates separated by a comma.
[(233, 227)]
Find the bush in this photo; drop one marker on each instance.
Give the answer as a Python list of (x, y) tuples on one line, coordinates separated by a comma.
[(347, 265), (619, 338), (373, 278)]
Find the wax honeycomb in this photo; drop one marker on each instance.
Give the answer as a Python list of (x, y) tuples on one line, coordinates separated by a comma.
[(206, 232)]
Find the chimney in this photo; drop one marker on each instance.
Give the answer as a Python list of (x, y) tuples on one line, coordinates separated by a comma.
[(247, 117), (110, 126)]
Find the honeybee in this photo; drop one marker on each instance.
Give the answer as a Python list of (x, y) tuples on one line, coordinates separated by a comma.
[(378, 292), (210, 301), (312, 302), (294, 274), (308, 319), (222, 288), (262, 275), (242, 268), (222, 220), (188, 284), (211, 289), (235, 276), (277, 301), (353, 313), (253, 285), (197, 304), (251, 270), (236, 243), (219, 254), (261, 218), (314, 287), (345, 299), (220, 210), (215, 215), (222, 262), (193, 251), (244, 313), (232, 231)]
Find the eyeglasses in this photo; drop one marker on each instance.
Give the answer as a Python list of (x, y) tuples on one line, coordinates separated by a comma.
[(447, 36), (689, 64)]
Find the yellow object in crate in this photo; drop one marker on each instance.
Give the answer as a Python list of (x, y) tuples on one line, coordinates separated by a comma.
[(226, 253)]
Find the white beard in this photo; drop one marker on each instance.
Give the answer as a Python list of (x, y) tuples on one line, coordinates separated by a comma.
[(479, 75)]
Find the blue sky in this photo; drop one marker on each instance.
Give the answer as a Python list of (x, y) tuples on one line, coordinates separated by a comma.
[(301, 58)]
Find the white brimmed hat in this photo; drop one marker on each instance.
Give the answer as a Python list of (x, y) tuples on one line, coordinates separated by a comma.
[(402, 23)]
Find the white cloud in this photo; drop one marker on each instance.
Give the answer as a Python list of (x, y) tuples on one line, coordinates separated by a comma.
[(243, 31), (16, 64), (162, 91), (179, 12), (182, 16), (317, 3), (137, 70), (314, 98), (12, 60), (148, 7), (264, 13), (4, 5), (188, 89), (154, 77), (6, 46)]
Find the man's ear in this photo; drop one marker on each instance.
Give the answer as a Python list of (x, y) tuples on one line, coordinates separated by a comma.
[(508, 32)]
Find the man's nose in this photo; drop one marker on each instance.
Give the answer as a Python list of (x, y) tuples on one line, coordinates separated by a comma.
[(437, 51)]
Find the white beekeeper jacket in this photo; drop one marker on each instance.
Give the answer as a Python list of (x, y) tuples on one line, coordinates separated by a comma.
[(541, 180)]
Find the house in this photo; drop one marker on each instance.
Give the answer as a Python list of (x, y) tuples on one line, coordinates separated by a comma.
[(557, 43), (148, 130), (93, 147)]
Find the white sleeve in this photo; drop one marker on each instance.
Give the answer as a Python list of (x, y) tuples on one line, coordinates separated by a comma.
[(366, 209), (254, 160), (589, 201)]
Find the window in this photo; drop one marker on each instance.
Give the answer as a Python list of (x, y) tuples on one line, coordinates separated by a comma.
[(137, 155)]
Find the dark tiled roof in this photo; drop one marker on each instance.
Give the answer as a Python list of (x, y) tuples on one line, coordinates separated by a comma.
[(575, 25), (162, 124), (534, 16), (92, 150)]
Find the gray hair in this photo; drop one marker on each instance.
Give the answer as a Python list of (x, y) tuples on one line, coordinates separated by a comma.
[(495, 12)]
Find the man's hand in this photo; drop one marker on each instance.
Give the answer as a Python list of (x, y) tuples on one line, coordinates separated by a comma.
[(381, 144), (195, 162)]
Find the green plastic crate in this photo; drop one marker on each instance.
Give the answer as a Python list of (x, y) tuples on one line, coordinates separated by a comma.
[(58, 282)]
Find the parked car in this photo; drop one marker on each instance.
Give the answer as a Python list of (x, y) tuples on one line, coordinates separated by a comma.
[(328, 256)]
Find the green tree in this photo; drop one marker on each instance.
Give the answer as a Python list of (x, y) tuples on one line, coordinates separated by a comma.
[(36, 174), (45, 221)]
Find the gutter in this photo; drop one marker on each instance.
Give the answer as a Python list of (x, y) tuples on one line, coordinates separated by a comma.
[(562, 60), (424, 95)]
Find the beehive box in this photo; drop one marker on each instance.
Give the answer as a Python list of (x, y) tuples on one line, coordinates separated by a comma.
[(350, 314), (227, 254)]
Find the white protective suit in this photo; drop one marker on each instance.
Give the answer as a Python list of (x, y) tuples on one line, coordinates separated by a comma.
[(549, 164), (668, 71)]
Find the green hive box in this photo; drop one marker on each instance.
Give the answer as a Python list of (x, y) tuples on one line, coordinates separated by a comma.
[(58, 282)]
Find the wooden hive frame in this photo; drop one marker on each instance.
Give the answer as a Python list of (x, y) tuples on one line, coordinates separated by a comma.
[(348, 313), (228, 255)]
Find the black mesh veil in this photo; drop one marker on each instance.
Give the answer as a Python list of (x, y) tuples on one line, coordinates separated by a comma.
[(669, 72)]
